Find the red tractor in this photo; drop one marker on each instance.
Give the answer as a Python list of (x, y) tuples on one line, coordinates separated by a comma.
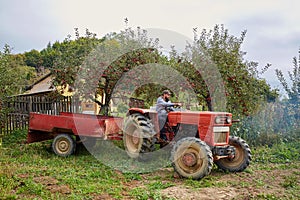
[(197, 140)]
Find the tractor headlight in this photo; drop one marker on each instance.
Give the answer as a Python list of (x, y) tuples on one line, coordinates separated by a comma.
[(218, 120), (228, 120), (223, 120)]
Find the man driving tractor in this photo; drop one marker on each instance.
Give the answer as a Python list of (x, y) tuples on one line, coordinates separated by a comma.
[(162, 105)]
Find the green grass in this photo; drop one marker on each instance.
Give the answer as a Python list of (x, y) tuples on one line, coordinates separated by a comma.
[(290, 182), (33, 171), (278, 153)]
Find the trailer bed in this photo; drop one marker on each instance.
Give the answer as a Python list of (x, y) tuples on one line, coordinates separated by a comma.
[(44, 127)]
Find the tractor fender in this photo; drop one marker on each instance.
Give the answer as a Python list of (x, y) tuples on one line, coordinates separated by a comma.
[(149, 113), (141, 111)]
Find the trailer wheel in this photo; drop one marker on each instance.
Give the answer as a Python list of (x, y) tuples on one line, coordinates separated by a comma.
[(241, 159), (63, 145), (138, 135), (192, 158)]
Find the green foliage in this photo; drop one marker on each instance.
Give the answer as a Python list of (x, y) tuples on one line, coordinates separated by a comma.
[(132, 176), (18, 137), (216, 51), (110, 60), (122, 108), (278, 121), (212, 50), (49, 55), (293, 90), (278, 153), (271, 125), (290, 182), (69, 56), (151, 191), (204, 183), (267, 196), (159, 185), (33, 58), (238, 80), (14, 76), (140, 193)]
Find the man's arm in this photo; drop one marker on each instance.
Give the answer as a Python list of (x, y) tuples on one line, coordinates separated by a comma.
[(162, 102)]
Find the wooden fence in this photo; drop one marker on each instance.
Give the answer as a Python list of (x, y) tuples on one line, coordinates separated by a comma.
[(19, 108)]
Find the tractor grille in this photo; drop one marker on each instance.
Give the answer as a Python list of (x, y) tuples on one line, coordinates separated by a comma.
[(220, 137)]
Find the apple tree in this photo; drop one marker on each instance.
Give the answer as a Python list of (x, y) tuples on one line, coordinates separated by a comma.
[(217, 49)]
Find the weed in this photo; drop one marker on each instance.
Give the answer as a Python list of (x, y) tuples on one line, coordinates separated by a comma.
[(259, 182), (266, 197), (208, 181), (159, 185), (279, 153), (140, 193), (132, 176), (290, 182), (296, 173)]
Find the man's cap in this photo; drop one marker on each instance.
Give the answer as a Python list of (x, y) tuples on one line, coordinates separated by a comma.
[(166, 92)]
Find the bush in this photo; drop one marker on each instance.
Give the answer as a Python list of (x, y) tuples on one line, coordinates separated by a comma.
[(272, 125), (16, 137), (278, 153)]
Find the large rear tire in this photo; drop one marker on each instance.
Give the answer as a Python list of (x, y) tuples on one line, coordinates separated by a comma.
[(192, 158), (241, 159), (138, 135)]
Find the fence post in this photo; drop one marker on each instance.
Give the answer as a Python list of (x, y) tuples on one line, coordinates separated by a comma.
[(29, 104)]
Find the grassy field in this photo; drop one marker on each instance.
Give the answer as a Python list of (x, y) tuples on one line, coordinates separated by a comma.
[(33, 171)]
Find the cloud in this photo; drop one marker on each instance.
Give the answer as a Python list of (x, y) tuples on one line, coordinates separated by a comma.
[(272, 26), (272, 37), (29, 25)]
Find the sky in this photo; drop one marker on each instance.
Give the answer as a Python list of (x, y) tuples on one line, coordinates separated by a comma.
[(273, 26)]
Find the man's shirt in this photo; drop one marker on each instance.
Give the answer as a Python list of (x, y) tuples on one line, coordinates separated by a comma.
[(161, 105)]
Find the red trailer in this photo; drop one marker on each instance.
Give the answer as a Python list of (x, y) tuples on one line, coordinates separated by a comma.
[(67, 128)]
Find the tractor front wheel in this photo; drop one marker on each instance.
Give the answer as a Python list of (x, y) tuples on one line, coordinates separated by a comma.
[(241, 159), (192, 158), (63, 145)]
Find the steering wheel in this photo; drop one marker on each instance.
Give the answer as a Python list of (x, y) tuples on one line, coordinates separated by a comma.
[(177, 106), (173, 108)]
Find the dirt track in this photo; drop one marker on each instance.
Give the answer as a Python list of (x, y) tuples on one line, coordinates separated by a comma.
[(252, 185)]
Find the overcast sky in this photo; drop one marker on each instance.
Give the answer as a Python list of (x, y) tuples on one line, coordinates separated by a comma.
[(273, 26)]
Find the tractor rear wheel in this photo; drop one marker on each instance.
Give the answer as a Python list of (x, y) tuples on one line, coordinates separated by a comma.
[(138, 135), (192, 158), (241, 159), (63, 145)]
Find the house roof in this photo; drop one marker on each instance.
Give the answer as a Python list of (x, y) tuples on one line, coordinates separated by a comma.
[(42, 85)]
